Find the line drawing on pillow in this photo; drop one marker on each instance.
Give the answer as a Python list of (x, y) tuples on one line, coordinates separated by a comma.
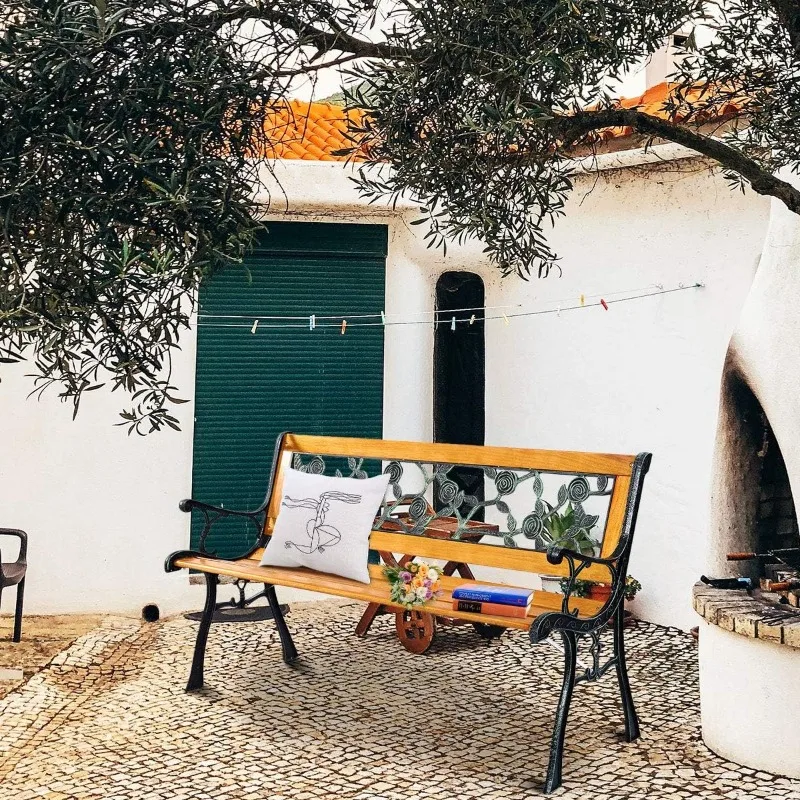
[(320, 535)]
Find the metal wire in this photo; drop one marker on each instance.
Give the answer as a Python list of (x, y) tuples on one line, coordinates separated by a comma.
[(291, 321)]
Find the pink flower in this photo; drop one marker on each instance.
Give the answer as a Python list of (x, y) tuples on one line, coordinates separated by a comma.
[(428, 594), (426, 583), (406, 577)]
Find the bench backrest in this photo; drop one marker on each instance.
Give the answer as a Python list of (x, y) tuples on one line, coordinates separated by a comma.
[(529, 498)]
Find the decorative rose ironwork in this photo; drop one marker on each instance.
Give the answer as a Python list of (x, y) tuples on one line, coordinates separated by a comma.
[(564, 522)]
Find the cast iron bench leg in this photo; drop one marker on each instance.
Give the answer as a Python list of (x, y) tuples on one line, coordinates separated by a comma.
[(18, 611), (198, 660), (287, 645), (628, 709), (553, 779)]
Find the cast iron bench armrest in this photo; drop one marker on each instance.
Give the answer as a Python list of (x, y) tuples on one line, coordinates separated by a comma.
[(23, 543), (567, 620), (211, 514)]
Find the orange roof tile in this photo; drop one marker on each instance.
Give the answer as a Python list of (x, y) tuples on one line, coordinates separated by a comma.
[(310, 131), (653, 102), (316, 131)]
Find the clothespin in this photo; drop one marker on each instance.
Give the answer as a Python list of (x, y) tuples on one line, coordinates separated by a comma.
[(383, 318), (255, 327), (505, 319), (472, 320), (558, 311), (583, 300), (312, 322), (604, 304), (453, 324), (344, 326)]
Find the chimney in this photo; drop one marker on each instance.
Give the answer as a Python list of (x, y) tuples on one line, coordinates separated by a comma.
[(664, 60)]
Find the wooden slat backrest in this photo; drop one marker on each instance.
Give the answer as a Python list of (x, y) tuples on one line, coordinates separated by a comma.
[(571, 463)]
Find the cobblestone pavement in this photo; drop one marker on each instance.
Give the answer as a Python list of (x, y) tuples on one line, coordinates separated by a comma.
[(356, 719), (42, 638)]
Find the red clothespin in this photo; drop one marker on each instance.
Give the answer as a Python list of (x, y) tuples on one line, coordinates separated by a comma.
[(604, 304)]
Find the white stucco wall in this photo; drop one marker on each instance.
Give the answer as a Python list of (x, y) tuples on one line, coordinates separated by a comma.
[(101, 507)]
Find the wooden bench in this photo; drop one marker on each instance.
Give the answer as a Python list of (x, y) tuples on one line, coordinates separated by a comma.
[(522, 490)]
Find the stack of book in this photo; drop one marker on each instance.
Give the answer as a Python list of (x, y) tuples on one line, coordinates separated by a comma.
[(500, 601)]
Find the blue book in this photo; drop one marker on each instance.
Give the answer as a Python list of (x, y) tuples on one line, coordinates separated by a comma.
[(506, 595)]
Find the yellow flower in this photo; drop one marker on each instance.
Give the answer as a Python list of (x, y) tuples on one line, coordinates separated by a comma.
[(416, 582), (423, 570), (413, 567), (435, 586)]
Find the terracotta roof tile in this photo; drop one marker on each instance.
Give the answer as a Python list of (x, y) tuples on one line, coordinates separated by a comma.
[(316, 131), (310, 131)]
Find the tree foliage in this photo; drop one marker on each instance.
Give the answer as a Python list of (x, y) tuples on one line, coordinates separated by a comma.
[(130, 136)]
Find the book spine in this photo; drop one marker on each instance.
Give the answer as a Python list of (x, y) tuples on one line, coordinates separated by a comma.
[(487, 597), (496, 609)]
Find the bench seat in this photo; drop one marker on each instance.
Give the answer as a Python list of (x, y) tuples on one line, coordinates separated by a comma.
[(377, 591)]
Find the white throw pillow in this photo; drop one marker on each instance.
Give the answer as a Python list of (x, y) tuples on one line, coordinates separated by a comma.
[(324, 523)]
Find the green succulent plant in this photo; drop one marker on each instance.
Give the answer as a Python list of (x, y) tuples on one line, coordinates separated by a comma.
[(570, 528)]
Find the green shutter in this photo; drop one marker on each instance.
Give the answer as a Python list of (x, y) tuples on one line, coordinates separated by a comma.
[(250, 387)]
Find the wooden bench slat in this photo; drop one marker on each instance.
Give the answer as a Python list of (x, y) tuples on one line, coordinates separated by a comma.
[(567, 461), (378, 590), (486, 555)]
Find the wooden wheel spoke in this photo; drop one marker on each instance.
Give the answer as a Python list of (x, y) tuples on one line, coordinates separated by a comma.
[(415, 629)]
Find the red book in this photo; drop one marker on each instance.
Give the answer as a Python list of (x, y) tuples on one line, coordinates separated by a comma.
[(498, 609)]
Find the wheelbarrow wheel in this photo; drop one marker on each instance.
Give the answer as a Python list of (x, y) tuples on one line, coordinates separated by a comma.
[(415, 629), (488, 632)]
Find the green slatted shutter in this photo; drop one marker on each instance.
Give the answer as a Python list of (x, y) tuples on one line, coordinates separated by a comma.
[(252, 387)]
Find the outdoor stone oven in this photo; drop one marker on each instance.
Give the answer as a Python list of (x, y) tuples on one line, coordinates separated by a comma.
[(750, 640), (752, 481)]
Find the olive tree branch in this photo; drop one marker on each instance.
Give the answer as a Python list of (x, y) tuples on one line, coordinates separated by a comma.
[(308, 34), (575, 127)]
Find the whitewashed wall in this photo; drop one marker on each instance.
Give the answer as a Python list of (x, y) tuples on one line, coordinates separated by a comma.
[(101, 508)]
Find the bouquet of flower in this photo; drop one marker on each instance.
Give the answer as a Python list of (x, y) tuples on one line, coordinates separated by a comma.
[(413, 584)]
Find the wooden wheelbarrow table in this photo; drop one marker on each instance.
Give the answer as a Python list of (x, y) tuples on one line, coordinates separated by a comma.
[(416, 629)]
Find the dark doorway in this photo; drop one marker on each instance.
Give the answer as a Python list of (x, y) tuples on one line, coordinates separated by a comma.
[(459, 370)]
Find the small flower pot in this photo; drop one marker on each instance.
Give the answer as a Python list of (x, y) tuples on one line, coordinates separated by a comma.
[(600, 591)]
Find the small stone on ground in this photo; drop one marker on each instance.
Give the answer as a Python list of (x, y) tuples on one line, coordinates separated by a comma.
[(356, 719)]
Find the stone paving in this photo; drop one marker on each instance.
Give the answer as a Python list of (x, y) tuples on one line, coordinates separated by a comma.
[(42, 638), (355, 719)]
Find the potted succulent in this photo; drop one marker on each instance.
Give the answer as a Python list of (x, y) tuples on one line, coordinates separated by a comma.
[(557, 525), (602, 591)]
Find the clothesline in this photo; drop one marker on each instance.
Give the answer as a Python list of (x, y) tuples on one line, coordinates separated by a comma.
[(383, 319)]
